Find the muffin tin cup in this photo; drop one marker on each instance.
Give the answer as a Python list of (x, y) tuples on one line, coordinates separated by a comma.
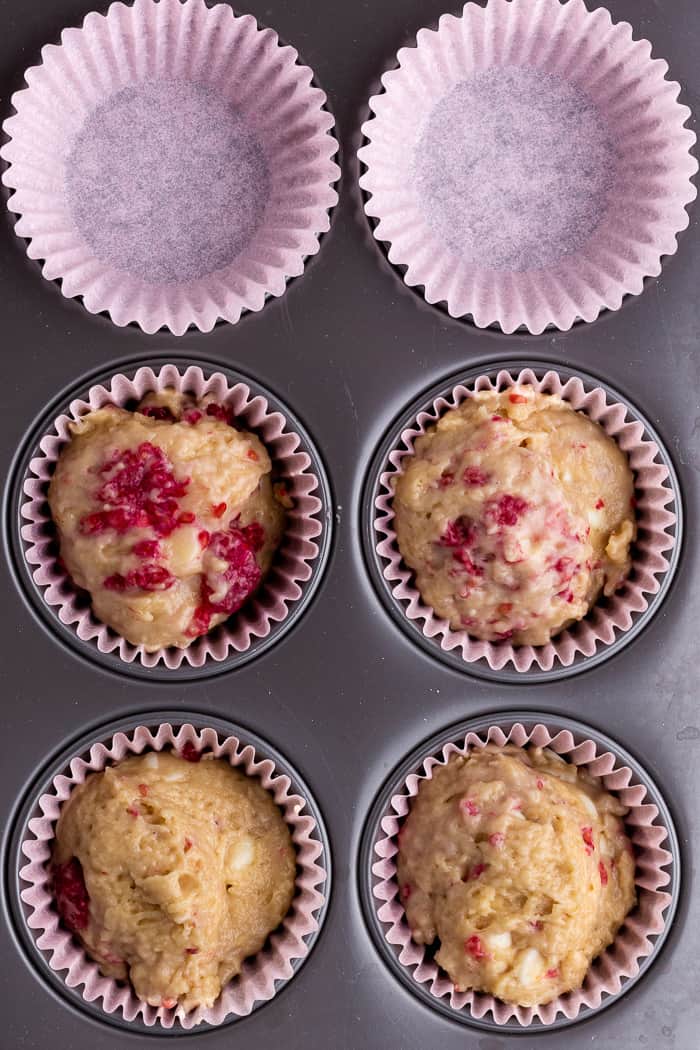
[(284, 593), (641, 211), (648, 824), (612, 622), (209, 49), (58, 958)]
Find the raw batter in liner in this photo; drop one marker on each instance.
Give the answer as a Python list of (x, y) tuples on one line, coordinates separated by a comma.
[(515, 512), (519, 863), (166, 515), (172, 872)]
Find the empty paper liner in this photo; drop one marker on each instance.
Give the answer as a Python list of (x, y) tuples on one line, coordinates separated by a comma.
[(639, 937), (297, 562), (528, 163), (261, 975), (171, 164), (611, 620)]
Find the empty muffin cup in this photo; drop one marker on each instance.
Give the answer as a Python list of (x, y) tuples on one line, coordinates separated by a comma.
[(648, 824), (528, 163), (297, 564), (611, 622), (171, 164), (64, 964)]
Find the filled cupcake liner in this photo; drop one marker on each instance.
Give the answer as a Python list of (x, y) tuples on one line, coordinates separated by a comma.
[(259, 974), (292, 566), (633, 943), (182, 42), (649, 553), (645, 207)]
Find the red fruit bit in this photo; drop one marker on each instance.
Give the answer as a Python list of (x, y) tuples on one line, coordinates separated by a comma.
[(540, 784), (133, 812), (474, 946), (467, 564), (507, 510), (191, 951), (146, 549), (553, 973), (200, 622), (517, 399), (456, 534), (587, 835), (188, 845), (475, 476), (599, 504), (218, 509), (633, 503), (254, 535), (203, 538), (143, 790), (405, 892), (503, 636), (536, 924), (446, 479), (186, 518), (567, 595), (252, 454), (71, 893), (140, 490), (168, 1004), (499, 419), (221, 412), (603, 872), (469, 806), (145, 578), (564, 567), (189, 752), (192, 416), (157, 412), (504, 608), (468, 621), (497, 839), (477, 871), (242, 575)]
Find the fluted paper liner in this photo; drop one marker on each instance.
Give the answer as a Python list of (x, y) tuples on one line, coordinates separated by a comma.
[(292, 564), (256, 981), (603, 622), (632, 944), (645, 206), (212, 48)]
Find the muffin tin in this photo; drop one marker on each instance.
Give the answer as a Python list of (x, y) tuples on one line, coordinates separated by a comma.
[(347, 695)]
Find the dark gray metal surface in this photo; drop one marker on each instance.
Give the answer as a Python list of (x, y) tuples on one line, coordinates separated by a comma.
[(346, 695)]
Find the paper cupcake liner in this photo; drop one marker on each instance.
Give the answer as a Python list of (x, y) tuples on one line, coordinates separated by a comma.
[(234, 62), (257, 981), (644, 208), (633, 944), (607, 618), (292, 566)]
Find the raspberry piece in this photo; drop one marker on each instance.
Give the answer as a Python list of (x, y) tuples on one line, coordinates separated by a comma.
[(147, 549), (242, 574), (117, 582), (218, 509), (517, 399), (157, 412), (536, 924), (475, 476), (507, 510), (474, 946), (540, 784), (603, 872), (466, 562), (190, 753), (505, 607), (145, 578), (552, 973), (192, 416), (220, 412), (600, 503), (446, 479), (168, 1004), (143, 790), (252, 454), (254, 535), (563, 567), (469, 806), (477, 871), (497, 839), (71, 893), (133, 812), (405, 892), (191, 951), (185, 518), (203, 538), (587, 835), (188, 845)]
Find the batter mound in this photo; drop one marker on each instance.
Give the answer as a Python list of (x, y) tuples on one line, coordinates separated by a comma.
[(172, 872), (519, 863), (166, 515), (515, 513)]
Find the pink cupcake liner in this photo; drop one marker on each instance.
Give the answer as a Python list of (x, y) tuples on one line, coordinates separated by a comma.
[(257, 979), (620, 961), (215, 59), (293, 564), (603, 79), (604, 621)]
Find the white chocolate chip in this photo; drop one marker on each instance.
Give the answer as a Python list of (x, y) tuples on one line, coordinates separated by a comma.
[(530, 966), (151, 761), (499, 941), (240, 855)]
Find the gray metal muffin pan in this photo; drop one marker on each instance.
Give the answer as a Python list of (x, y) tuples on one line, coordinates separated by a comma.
[(347, 695)]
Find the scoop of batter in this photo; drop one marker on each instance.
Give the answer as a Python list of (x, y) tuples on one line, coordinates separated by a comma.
[(172, 872), (519, 864), (515, 512), (166, 515)]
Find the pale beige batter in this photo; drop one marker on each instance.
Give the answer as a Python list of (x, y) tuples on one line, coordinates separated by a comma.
[(519, 863), (515, 512), (166, 515), (172, 872)]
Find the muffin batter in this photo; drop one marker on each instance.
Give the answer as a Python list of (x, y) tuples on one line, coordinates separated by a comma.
[(516, 513), (519, 863), (166, 515), (172, 872)]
